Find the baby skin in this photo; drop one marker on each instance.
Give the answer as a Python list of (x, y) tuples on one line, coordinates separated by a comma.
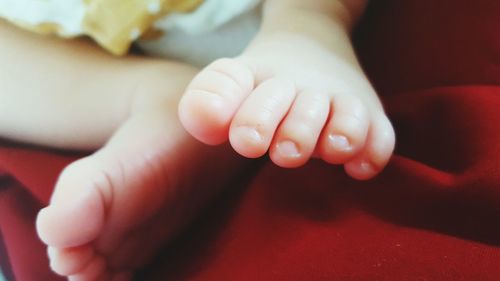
[(110, 211), (297, 91)]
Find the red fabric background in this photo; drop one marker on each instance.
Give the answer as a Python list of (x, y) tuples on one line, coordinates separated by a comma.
[(432, 215)]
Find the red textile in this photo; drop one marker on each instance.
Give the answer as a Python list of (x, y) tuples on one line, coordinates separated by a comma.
[(433, 214)]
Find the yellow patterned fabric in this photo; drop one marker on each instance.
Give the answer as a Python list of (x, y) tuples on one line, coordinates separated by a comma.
[(113, 24)]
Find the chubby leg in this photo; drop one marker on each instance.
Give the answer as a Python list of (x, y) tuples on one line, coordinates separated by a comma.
[(117, 206), (148, 179), (295, 92)]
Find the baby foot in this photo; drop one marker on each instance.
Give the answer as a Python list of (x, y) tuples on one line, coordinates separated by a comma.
[(111, 211), (294, 98)]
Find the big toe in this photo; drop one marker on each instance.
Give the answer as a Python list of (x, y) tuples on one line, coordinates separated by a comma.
[(212, 99), (75, 215)]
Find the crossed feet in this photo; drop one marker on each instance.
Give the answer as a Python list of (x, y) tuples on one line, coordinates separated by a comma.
[(294, 98)]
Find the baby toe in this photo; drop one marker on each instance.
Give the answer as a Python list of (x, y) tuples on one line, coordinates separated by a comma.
[(69, 261), (377, 152), (298, 133), (94, 270), (346, 131), (212, 98), (256, 121), (75, 215)]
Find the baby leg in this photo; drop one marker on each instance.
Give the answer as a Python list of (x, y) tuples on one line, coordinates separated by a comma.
[(143, 185)]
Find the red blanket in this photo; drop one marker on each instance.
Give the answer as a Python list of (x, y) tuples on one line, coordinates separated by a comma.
[(433, 214)]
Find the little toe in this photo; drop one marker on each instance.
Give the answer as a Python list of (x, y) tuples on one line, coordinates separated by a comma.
[(377, 152), (69, 261), (94, 270), (257, 119), (346, 131), (298, 133), (212, 98)]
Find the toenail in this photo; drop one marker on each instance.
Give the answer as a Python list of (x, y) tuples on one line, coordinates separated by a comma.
[(366, 168), (288, 149), (339, 142), (249, 133)]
